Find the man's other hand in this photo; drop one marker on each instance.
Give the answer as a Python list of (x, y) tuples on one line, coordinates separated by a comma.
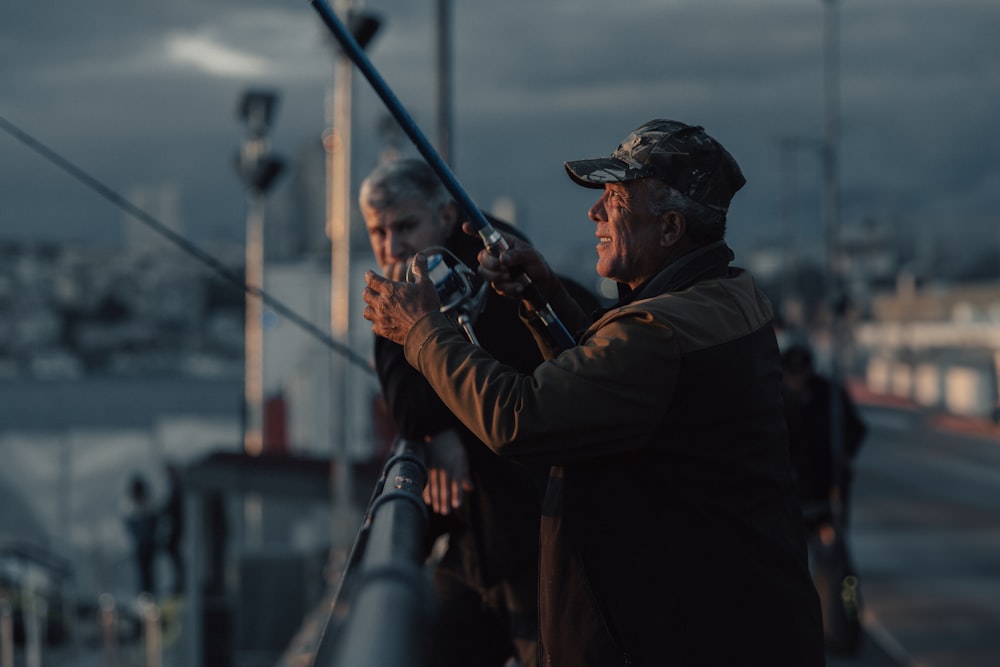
[(447, 472), (503, 273)]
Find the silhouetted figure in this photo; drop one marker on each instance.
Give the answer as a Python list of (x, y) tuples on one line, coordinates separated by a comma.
[(822, 474), (141, 523), (823, 477), (173, 514)]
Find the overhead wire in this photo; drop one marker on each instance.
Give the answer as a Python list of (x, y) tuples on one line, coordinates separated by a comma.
[(181, 242)]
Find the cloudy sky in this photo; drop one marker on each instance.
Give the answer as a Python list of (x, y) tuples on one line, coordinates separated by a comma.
[(141, 93)]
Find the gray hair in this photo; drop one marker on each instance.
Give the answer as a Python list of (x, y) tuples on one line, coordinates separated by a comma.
[(704, 224), (398, 181)]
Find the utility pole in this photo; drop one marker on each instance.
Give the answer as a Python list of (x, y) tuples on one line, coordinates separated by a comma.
[(258, 169), (789, 220), (338, 145), (831, 226), (339, 231), (444, 125)]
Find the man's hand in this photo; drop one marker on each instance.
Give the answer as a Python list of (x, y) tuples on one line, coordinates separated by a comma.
[(447, 472), (394, 307), (503, 272)]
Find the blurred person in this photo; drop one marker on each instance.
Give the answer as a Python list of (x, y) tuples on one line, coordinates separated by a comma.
[(823, 477), (141, 523), (485, 584), (671, 530)]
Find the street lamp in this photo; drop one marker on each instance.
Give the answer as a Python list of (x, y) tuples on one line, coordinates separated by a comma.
[(258, 168)]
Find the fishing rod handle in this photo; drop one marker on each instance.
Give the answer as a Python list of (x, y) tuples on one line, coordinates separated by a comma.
[(496, 243)]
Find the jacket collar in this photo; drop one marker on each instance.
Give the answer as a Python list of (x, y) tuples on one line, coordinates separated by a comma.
[(710, 261)]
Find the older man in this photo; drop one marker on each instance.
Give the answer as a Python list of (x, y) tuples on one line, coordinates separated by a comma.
[(486, 582), (671, 533)]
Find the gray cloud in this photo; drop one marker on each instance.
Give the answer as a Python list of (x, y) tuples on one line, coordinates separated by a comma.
[(535, 84)]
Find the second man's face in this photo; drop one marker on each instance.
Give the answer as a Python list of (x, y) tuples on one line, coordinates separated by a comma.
[(397, 233)]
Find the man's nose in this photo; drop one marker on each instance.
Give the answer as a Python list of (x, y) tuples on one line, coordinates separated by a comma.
[(596, 210)]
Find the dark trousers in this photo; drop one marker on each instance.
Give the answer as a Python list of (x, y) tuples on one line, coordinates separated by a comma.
[(145, 559), (177, 563)]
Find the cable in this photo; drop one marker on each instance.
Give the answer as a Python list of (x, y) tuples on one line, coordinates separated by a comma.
[(181, 242)]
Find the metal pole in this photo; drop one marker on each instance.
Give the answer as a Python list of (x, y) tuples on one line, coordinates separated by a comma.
[(378, 616), (109, 629), (339, 227), (259, 169), (831, 225), (6, 631), (444, 80), (786, 154), (32, 631), (152, 643), (253, 437), (831, 132)]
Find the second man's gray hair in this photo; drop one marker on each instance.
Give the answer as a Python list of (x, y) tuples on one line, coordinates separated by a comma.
[(398, 181)]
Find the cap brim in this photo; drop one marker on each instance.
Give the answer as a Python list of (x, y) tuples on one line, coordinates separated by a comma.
[(598, 171)]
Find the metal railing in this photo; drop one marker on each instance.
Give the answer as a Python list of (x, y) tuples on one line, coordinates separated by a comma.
[(376, 615)]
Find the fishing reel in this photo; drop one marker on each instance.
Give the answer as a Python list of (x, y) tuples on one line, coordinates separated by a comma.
[(452, 279)]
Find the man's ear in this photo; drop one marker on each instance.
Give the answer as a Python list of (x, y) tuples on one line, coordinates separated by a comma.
[(673, 227)]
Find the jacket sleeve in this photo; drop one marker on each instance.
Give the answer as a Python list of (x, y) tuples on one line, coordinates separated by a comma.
[(607, 395)]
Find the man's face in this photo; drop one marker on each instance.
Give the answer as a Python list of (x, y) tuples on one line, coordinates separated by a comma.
[(628, 234), (397, 233)]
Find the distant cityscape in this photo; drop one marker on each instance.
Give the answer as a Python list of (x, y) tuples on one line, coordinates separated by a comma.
[(143, 306)]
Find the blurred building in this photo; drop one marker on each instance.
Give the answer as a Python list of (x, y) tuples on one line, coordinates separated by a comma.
[(937, 346)]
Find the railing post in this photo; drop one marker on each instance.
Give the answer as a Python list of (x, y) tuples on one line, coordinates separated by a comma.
[(29, 613), (6, 631), (151, 640), (109, 629)]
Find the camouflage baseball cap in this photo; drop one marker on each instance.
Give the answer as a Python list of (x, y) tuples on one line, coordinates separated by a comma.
[(683, 156)]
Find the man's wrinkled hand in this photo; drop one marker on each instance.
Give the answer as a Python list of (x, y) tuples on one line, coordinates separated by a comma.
[(504, 273), (394, 307)]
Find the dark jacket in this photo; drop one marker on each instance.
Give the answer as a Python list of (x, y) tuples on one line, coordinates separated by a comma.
[(496, 532), (671, 532)]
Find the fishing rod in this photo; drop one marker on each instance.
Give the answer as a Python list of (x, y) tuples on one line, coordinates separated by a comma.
[(492, 239), (184, 244)]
